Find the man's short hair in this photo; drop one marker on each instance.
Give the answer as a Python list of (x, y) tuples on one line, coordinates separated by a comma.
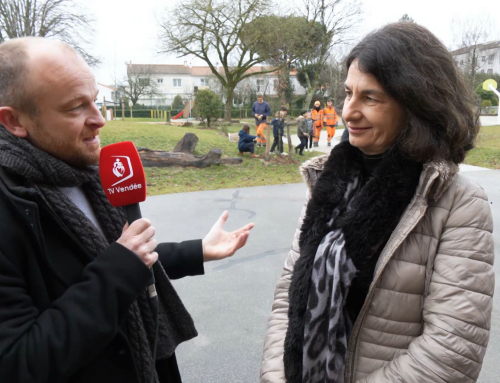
[(260, 94), (303, 112), (14, 84)]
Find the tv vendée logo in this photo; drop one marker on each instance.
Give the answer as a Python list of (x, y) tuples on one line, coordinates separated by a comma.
[(119, 170)]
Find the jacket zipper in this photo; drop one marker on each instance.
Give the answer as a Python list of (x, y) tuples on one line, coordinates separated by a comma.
[(418, 207)]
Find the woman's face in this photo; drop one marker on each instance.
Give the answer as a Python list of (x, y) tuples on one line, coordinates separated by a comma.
[(373, 118)]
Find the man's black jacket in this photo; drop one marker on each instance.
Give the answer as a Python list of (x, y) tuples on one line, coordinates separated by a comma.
[(60, 311)]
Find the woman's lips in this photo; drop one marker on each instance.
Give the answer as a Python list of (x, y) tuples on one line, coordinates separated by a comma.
[(358, 129)]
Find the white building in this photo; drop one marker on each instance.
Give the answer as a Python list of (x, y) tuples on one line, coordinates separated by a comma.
[(109, 93), (184, 80), (488, 58)]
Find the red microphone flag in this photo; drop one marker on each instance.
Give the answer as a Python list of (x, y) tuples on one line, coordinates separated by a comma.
[(122, 174)]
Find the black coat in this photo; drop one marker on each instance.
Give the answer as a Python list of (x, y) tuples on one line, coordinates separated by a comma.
[(60, 310)]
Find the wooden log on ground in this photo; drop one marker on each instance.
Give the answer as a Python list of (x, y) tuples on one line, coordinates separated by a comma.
[(158, 158), (187, 144)]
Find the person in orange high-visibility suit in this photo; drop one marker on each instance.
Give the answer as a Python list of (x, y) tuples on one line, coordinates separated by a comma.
[(331, 119), (319, 120)]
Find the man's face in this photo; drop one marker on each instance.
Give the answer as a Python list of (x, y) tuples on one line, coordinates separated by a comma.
[(308, 116), (260, 99), (329, 103), (69, 122)]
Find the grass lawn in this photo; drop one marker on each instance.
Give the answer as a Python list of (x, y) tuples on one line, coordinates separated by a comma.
[(487, 151), (252, 172)]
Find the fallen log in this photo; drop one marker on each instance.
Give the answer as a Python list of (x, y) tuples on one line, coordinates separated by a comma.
[(158, 158)]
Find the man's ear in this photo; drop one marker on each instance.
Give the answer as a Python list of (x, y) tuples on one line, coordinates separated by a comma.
[(13, 121)]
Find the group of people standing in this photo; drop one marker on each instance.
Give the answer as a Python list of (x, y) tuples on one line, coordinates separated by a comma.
[(310, 124)]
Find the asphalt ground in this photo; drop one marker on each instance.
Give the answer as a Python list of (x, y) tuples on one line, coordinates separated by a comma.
[(231, 303)]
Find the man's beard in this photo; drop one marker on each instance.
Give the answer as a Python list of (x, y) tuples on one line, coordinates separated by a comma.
[(75, 157)]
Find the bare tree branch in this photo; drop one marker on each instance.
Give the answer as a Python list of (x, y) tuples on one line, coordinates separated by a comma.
[(139, 82), (471, 34), (59, 19)]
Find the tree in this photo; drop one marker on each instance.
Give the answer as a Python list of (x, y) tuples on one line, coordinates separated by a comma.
[(59, 19), (337, 19), (212, 31), (139, 82), (207, 105), (178, 102), (407, 18), (471, 34), (282, 39)]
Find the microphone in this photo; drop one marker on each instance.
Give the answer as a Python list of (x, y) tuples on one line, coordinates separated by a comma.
[(124, 182)]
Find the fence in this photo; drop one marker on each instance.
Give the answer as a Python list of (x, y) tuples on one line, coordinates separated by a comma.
[(160, 113), (489, 110)]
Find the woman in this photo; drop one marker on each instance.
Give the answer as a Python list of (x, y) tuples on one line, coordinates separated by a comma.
[(246, 142), (390, 275)]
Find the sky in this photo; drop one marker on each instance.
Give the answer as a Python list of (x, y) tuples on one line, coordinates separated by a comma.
[(128, 31)]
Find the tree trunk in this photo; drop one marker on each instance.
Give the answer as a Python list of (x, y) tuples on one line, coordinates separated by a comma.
[(309, 97), (290, 146), (187, 144), (229, 102), (268, 142)]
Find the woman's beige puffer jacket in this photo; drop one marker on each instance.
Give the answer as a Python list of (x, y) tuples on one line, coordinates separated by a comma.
[(427, 315)]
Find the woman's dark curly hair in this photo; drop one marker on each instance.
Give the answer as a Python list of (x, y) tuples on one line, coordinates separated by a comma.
[(415, 68)]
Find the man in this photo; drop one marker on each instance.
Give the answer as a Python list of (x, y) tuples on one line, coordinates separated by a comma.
[(260, 110), (73, 276), (318, 117), (331, 119)]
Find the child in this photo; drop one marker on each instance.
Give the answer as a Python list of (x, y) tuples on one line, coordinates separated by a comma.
[(246, 143), (302, 132), (310, 131), (278, 123)]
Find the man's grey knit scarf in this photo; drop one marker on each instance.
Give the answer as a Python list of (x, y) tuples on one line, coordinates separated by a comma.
[(46, 174), (327, 324)]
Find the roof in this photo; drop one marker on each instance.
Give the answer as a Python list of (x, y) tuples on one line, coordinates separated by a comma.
[(106, 86), (481, 47), (158, 69), (182, 69)]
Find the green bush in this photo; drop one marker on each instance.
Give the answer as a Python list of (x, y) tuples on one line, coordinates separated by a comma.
[(207, 105), (485, 103), (178, 103)]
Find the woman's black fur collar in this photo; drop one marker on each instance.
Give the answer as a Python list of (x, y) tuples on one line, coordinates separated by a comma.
[(375, 212)]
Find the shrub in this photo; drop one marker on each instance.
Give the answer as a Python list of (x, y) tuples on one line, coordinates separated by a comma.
[(485, 103), (207, 105)]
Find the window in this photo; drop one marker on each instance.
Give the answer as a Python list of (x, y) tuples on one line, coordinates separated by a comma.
[(160, 81), (490, 59), (177, 82), (482, 70), (203, 82), (490, 71), (260, 85), (144, 82), (483, 59), (461, 62), (276, 85)]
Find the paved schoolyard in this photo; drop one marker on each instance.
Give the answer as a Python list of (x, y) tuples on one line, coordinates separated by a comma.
[(231, 303)]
